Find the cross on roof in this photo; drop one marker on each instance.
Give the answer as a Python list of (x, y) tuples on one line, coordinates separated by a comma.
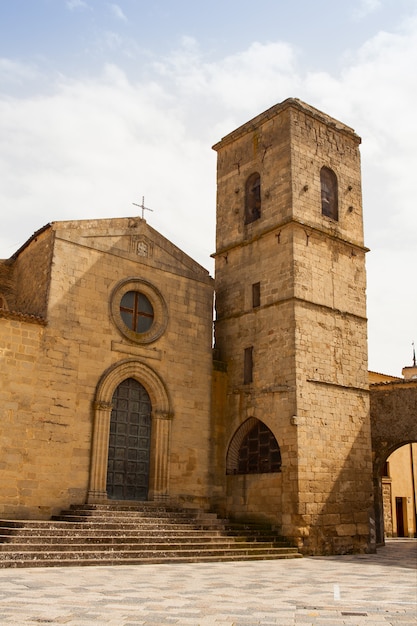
[(143, 207)]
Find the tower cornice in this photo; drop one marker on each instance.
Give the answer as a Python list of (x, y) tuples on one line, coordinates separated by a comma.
[(284, 224), (273, 111)]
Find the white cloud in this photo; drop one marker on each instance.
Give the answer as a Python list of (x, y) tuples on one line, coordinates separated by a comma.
[(117, 12), (76, 4), (89, 148), (14, 73), (365, 8)]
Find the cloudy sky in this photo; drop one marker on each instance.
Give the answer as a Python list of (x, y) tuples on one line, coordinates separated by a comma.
[(102, 103)]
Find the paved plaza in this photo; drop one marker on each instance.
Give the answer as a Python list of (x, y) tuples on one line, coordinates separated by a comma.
[(376, 589)]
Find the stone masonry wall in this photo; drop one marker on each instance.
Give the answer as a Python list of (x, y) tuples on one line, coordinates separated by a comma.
[(25, 430), (50, 391), (31, 275), (309, 331)]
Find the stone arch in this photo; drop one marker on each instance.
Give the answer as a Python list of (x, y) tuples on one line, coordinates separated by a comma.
[(161, 419), (393, 424), (233, 452)]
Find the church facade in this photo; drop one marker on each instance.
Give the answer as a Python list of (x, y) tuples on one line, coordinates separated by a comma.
[(111, 388)]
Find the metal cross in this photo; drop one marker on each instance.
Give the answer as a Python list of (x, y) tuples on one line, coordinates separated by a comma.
[(143, 207)]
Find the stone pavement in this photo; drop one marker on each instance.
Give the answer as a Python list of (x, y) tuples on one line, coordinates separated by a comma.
[(376, 590)]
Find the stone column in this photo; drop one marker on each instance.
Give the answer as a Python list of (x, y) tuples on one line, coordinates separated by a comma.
[(162, 424), (98, 474)]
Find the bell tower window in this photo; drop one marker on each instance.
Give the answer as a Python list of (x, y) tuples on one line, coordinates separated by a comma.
[(253, 198), (329, 196)]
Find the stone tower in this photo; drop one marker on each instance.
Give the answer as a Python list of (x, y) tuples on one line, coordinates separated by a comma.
[(291, 329)]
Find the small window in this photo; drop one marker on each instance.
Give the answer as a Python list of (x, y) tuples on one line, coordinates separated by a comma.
[(253, 198), (329, 196), (256, 295), (248, 366), (136, 311)]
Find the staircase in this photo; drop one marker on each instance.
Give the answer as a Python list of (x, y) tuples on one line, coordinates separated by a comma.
[(133, 533)]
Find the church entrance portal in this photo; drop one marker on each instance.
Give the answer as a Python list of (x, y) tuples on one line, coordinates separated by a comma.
[(129, 443)]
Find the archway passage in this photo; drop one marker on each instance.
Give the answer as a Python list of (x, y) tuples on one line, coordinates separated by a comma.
[(393, 424), (399, 492), (129, 442)]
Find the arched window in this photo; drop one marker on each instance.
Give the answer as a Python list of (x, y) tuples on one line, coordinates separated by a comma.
[(253, 198), (329, 198), (253, 450)]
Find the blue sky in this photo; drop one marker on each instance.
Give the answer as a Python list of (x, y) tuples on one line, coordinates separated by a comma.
[(68, 33), (104, 102)]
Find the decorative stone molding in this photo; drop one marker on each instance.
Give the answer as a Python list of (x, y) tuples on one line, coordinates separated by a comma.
[(158, 304), (161, 428), (232, 457)]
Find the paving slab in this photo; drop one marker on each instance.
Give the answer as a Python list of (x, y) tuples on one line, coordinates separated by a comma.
[(378, 590)]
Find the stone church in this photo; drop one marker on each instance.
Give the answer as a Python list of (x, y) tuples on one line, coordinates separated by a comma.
[(111, 388)]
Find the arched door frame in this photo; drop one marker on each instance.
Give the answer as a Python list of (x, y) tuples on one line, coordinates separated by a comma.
[(161, 428), (393, 424)]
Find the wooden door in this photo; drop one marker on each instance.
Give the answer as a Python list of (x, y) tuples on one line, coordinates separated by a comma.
[(129, 443)]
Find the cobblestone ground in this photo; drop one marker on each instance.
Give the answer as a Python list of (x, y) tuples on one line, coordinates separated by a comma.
[(376, 590)]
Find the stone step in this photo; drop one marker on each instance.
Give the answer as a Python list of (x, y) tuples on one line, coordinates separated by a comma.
[(145, 546), (95, 531), (146, 509), (133, 515), (132, 521), (134, 533), (61, 561), (97, 534), (174, 551), (91, 536), (104, 525)]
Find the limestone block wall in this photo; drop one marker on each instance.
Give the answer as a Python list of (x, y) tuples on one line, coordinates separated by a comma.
[(6, 284), (335, 489), (317, 141), (53, 412), (255, 497), (36, 443), (331, 274), (308, 330), (31, 273), (180, 357), (263, 148)]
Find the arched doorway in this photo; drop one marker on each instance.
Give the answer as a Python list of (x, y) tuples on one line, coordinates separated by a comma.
[(161, 416), (399, 480), (393, 424), (129, 442)]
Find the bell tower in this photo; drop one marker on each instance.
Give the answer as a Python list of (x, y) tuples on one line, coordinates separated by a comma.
[(291, 328)]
